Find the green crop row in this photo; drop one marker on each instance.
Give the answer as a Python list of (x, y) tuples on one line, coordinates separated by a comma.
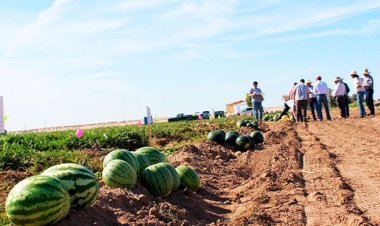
[(35, 151)]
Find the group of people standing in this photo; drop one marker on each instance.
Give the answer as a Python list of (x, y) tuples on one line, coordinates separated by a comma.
[(303, 93)]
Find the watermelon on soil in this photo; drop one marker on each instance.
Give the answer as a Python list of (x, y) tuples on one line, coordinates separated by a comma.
[(241, 123), (152, 154), (37, 200), (143, 162), (189, 178), (216, 136), (158, 180), (231, 137), (119, 174), (124, 155), (257, 137), (80, 181), (244, 143), (176, 179)]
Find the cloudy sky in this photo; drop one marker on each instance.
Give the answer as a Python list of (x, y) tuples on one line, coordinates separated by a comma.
[(67, 62)]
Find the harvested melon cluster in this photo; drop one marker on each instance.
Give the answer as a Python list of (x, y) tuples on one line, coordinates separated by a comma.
[(233, 138)]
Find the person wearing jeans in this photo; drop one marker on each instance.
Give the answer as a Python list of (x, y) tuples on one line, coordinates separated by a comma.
[(368, 86), (257, 98), (301, 98), (312, 100), (320, 90), (340, 95), (359, 88)]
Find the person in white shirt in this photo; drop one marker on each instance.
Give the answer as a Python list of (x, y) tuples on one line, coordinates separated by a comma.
[(340, 95), (368, 86), (321, 90), (312, 100), (360, 91)]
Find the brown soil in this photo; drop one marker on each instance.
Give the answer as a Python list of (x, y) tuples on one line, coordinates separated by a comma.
[(323, 174)]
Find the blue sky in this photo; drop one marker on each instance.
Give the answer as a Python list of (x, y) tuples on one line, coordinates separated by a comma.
[(74, 61)]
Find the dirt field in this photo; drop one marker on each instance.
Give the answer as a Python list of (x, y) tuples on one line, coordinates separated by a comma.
[(325, 174)]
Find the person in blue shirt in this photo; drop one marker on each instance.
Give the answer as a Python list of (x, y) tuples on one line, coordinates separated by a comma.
[(257, 98)]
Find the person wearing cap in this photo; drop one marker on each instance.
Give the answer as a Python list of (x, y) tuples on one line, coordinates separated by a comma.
[(360, 91), (340, 94), (321, 90), (257, 98), (312, 100), (368, 86), (300, 99)]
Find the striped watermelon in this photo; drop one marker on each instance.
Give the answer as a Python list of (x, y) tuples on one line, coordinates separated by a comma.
[(176, 180), (189, 178), (143, 162), (37, 200), (244, 142), (158, 180), (217, 136), (154, 155), (81, 182), (119, 173), (122, 155), (231, 137)]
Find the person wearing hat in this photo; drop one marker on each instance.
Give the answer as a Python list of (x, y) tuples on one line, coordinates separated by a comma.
[(368, 86), (321, 90), (340, 94), (360, 91), (312, 100)]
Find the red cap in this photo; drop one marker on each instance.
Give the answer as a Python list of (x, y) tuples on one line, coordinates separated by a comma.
[(318, 77)]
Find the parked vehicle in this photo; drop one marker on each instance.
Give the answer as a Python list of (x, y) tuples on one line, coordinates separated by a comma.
[(219, 113), (182, 117), (247, 111)]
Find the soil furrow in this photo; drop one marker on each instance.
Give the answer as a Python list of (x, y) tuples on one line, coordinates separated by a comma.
[(330, 198)]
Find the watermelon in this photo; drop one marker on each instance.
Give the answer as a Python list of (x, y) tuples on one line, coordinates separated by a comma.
[(257, 137), (255, 125), (176, 180), (231, 137), (119, 174), (158, 180), (189, 178), (37, 200), (241, 123), (124, 155), (81, 182), (244, 142), (153, 155), (143, 162), (216, 136)]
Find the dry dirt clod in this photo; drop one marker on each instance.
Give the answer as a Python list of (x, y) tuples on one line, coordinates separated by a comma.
[(143, 199)]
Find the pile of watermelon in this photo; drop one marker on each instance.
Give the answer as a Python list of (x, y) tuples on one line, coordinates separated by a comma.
[(272, 117), (47, 198), (122, 169), (233, 138), (248, 123)]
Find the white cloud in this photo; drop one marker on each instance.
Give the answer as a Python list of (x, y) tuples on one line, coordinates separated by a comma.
[(141, 4), (46, 17)]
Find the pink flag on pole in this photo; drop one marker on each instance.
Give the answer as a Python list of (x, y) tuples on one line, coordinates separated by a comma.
[(79, 132), (139, 124), (200, 117)]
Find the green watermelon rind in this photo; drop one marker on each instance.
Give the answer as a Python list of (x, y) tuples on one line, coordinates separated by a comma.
[(153, 154), (38, 200), (173, 172), (257, 137), (119, 174), (124, 155), (244, 142), (231, 137), (80, 181), (143, 162), (158, 180), (216, 136), (189, 178)]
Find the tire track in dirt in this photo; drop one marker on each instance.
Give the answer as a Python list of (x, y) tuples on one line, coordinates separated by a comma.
[(355, 144), (330, 198)]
